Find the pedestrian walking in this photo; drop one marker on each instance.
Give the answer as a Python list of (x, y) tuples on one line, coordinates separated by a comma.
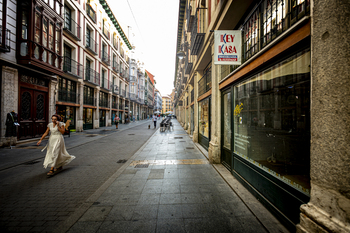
[(116, 121), (56, 155), (155, 120), (133, 118)]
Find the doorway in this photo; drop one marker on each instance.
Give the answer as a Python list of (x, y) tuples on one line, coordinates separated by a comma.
[(33, 117)]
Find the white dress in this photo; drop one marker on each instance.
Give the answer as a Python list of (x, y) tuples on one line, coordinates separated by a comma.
[(56, 155)]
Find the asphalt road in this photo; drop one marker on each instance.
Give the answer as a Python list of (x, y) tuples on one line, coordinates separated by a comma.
[(30, 201)]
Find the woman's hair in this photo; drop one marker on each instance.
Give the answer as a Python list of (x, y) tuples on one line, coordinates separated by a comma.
[(59, 118)]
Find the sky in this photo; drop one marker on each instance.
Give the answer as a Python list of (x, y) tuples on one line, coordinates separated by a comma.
[(154, 34)]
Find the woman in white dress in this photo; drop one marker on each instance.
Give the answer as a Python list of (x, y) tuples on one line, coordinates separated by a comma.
[(56, 155)]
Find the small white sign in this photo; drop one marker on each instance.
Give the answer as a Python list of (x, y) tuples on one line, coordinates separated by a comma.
[(228, 47)]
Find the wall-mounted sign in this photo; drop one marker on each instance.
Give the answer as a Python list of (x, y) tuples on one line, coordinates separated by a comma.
[(228, 47)]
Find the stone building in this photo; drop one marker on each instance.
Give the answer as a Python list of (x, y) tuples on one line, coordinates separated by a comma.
[(166, 104), (149, 93), (65, 57), (279, 121)]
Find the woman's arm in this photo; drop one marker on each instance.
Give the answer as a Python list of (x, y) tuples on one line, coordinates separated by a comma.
[(61, 128), (44, 135)]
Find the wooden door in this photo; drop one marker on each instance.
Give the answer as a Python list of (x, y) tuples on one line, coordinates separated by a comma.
[(32, 113)]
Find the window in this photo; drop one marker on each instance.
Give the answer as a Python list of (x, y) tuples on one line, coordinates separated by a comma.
[(271, 120), (88, 35), (68, 17)]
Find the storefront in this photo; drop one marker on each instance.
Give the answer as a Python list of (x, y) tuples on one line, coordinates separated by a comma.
[(88, 118), (102, 118), (67, 113), (266, 134), (204, 122), (114, 114)]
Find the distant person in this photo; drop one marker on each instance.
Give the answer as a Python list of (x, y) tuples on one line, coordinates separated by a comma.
[(133, 118), (56, 155), (155, 120), (116, 121)]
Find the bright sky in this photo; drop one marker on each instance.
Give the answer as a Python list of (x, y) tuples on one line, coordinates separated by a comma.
[(154, 34)]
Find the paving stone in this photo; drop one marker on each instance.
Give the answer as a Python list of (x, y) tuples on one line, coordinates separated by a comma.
[(142, 212), (96, 214), (86, 227)]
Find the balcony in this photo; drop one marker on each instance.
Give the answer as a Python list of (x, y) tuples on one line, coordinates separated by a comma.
[(90, 12), (115, 105), (92, 76), (204, 84), (4, 40), (198, 31), (104, 103), (105, 58), (72, 28), (72, 67), (67, 96), (132, 78), (121, 93), (121, 72), (124, 94), (132, 96), (91, 45), (115, 89), (115, 67), (189, 18), (105, 84), (115, 44), (105, 32), (142, 87), (89, 100), (121, 106), (188, 64)]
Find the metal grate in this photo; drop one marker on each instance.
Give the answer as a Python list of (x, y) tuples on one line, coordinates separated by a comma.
[(178, 137), (189, 147), (142, 165), (182, 141), (122, 161), (92, 135), (131, 134)]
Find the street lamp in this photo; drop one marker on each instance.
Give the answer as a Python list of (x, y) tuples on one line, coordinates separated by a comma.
[(180, 54)]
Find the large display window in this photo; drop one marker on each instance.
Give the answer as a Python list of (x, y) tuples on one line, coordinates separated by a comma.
[(88, 118), (67, 113), (203, 110), (271, 121)]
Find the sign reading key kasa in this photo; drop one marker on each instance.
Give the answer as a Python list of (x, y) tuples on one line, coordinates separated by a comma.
[(228, 46)]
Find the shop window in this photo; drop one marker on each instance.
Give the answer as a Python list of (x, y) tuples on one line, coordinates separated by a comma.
[(203, 111), (271, 120)]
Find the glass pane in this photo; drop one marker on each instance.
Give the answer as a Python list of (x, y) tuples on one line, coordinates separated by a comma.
[(44, 56), (45, 32), (24, 25), (272, 120), (58, 41), (227, 121), (204, 118)]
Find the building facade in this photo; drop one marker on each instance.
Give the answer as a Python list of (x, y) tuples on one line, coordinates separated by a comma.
[(157, 101), (149, 93), (64, 57), (261, 119), (166, 104)]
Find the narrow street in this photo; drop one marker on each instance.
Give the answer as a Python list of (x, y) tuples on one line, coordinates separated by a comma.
[(30, 201), (163, 184)]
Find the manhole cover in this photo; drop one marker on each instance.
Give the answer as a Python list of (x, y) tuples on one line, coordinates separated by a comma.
[(122, 161), (31, 162), (178, 137), (92, 135), (189, 147), (142, 165)]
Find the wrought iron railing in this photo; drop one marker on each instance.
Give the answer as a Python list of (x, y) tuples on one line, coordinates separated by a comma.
[(67, 96), (121, 72), (198, 31), (90, 12), (106, 32), (204, 84), (89, 100), (91, 44), (115, 44), (115, 105), (121, 92), (190, 18), (5, 39), (132, 96), (105, 84), (188, 64), (115, 89), (115, 67), (104, 103), (121, 106), (132, 78), (72, 27), (92, 76), (105, 57), (124, 94), (72, 67), (142, 87)]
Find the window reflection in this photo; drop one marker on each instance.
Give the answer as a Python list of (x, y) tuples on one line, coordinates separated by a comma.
[(204, 117), (272, 120)]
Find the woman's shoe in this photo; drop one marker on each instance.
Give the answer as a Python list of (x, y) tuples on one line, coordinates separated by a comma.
[(51, 173)]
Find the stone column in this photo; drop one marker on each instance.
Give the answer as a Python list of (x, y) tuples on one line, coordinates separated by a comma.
[(215, 105), (329, 206), (53, 96), (80, 110), (123, 114), (195, 131), (9, 101)]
